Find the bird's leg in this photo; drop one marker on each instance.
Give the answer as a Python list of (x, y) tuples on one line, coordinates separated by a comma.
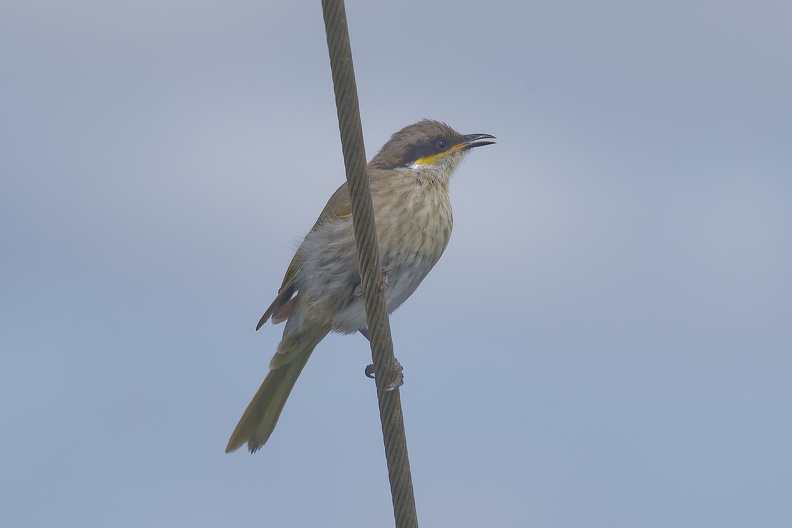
[(397, 368), (385, 281), (398, 378), (385, 278)]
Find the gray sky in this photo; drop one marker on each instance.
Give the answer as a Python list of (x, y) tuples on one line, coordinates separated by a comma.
[(606, 341)]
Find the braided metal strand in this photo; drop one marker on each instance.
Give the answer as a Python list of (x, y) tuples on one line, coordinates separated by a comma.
[(372, 279)]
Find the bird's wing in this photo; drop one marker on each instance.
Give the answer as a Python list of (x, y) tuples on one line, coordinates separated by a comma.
[(338, 206)]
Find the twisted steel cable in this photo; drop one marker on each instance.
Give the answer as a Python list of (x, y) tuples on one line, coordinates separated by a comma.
[(372, 279)]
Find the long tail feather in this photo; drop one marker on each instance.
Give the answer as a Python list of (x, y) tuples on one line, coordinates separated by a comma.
[(263, 411)]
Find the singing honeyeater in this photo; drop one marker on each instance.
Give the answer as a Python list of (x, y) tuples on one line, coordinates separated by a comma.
[(321, 290)]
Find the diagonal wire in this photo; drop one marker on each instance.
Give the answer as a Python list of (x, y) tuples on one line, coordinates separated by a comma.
[(369, 264)]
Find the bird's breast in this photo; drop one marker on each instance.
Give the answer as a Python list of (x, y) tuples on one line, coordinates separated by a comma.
[(414, 222)]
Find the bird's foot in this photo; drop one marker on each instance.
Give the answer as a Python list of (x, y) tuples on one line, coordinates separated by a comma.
[(397, 369)]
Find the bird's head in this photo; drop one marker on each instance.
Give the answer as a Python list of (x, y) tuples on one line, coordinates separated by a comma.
[(427, 146)]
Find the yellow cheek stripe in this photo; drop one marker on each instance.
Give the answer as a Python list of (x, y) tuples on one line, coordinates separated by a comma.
[(427, 160), (430, 160)]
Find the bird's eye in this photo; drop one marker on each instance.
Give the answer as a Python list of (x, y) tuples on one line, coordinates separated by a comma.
[(441, 144)]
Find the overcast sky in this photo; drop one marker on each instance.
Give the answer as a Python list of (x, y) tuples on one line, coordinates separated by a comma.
[(607, 341)]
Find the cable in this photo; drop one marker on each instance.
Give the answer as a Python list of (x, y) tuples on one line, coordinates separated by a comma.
[(372, 279)]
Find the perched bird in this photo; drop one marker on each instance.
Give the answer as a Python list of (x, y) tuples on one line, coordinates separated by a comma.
[(321, 290)]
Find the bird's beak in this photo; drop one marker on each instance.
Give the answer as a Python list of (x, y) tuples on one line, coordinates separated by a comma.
[(472, 140)]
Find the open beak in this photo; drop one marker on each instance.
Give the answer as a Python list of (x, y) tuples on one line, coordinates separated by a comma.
[(470, 141)]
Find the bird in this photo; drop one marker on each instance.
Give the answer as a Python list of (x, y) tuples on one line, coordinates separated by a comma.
[(321, 291)]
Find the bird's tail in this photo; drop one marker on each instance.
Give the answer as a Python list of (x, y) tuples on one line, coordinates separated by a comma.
[(261, 415)]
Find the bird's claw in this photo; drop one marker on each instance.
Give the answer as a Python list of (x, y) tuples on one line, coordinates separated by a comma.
[(398, 378)]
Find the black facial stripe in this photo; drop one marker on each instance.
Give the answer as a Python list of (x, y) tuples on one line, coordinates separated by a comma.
[(424, 149)]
